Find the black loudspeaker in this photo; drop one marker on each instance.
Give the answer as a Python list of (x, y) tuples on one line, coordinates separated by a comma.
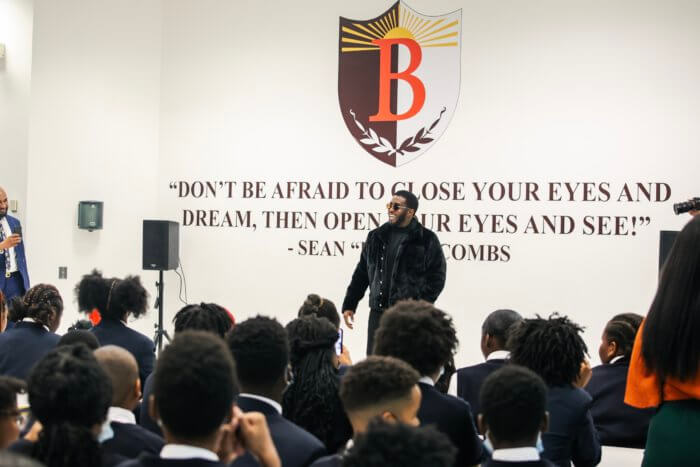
[(667, 237), (161, 240)]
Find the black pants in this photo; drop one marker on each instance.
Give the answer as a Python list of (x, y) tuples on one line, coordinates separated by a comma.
[(374, 317)]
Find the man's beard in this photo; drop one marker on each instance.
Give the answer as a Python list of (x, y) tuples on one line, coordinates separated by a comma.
[(3, 214)]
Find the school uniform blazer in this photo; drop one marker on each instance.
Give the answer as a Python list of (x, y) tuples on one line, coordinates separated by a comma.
[(150, 460), (571, 437), (295, 446), (470, 379), (145, 419), (110, 332), (453, 417), (23, 346), (539, 463), (130, 440), (19, 256), (618, 424), (26, 448), (336, 460)]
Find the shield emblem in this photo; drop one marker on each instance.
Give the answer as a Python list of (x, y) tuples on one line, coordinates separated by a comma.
[(398, 80)]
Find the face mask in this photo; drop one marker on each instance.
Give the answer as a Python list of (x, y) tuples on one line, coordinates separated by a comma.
[(489, 447)]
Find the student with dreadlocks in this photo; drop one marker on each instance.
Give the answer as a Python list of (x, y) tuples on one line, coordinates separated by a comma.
[(665, 364), (618, 424), (69, 394), (208, 317), (116, 300), (311, 400), (554, 349), (38, 315), (320, 307)]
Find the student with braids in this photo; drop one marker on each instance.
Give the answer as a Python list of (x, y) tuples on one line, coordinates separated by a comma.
[(320, 307), (116, 300), (665, 363), (69, 394), (38, 315), (311, 400), (208, 317), (554, 349), (618, 424)]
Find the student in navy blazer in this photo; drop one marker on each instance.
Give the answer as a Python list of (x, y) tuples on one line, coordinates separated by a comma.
[(38, 315), (260, 348), (120, 433), (13, 262), (116, 300), (466, 382), (618, 424), (554, 349), (425, 337)]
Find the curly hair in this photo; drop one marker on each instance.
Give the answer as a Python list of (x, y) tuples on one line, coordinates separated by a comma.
[(553, 348), (418, 333), (69, 394), (321, 307), (42, 303), (195, 384), (79, 336), (377, 381), (113, 297), (203, 317), (513, 401), (311, 400), (670, 344), (260, 348), (622, 329), (398, 444)]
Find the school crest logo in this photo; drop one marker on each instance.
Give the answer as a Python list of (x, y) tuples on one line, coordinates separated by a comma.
[(398, 80)]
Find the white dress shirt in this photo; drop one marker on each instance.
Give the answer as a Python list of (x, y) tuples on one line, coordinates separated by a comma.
[(121, 415), (11, 259), (516, 454), (184, 451)]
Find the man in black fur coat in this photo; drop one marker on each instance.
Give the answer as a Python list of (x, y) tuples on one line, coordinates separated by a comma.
[(400, 259)]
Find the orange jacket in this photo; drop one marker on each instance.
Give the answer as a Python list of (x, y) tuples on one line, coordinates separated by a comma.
[(642, 389)]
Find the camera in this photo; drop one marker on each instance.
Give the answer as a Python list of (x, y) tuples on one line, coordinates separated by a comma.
[(692, 204)]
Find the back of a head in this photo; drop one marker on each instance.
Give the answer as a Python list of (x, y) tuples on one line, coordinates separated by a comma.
[(260, 349), (79, 336), (122, 369), (377, 384), (417, 333), (622, 329), (69, 394), (195, 385), (553, 348), (513, 401), (321, 307), (42, 303), (203, 317), (113, 297), (310, 335), (497, 324), (670, 346), (397, 444)]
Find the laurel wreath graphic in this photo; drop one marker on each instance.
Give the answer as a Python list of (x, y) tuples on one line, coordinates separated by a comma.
[(382, 145)]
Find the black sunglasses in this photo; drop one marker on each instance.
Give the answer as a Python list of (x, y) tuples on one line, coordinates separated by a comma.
[(395, 207)]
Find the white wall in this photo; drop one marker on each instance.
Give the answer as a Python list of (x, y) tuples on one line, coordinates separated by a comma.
[(94, 136), (130, 96), (15, 74)]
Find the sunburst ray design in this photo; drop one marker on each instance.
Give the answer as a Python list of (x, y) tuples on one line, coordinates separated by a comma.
[(398, 22)]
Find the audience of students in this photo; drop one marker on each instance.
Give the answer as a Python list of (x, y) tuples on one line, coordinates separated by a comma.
[(554, 349), (260, 349), (513, 416), (311, 399), (69, 394), (618, 424), (10, 416), (116, 300), (384, 388), (664, 370), (121, 435), (400, 445), (208, 317), (37, 316), (193, 400), (425, 337), (467, 381)]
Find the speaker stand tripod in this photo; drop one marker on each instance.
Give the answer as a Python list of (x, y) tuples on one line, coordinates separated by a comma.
[(160, 332)]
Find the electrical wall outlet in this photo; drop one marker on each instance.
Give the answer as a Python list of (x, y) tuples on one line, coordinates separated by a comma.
[(63, 272), (14, 205)]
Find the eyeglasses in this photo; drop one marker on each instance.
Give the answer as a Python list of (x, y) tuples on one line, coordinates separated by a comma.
[(20, 417), (395, 207)]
